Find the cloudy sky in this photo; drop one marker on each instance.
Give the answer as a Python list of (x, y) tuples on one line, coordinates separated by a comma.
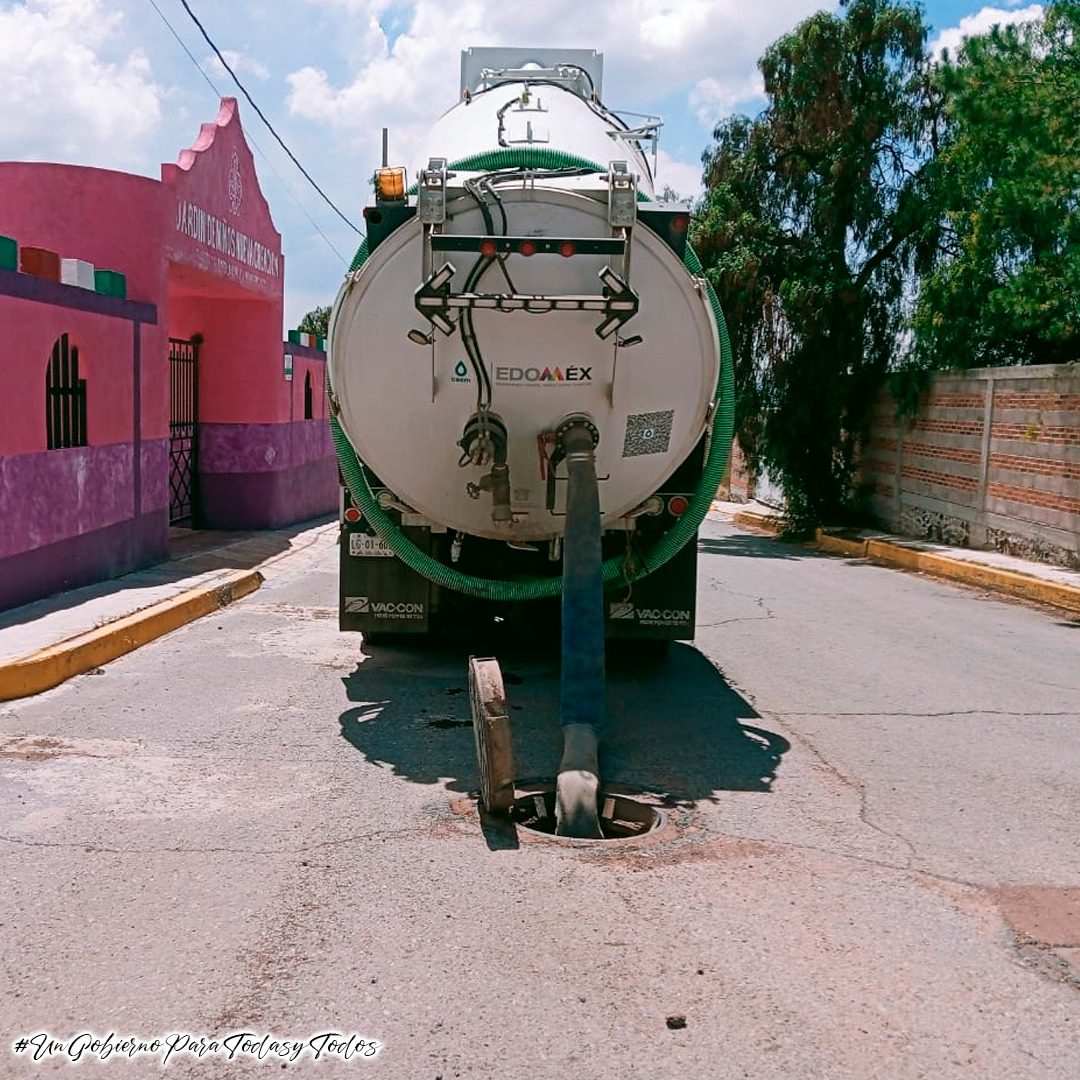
[(105, 82)]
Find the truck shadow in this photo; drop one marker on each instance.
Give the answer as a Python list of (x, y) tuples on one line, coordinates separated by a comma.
[(754, 546), (675, 726)]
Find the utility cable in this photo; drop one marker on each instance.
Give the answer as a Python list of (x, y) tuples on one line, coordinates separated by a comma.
[(262, 116), (250, 138)]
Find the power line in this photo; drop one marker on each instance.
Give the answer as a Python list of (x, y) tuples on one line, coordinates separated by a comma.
[(265, 157), (262, 117), (180, 41)]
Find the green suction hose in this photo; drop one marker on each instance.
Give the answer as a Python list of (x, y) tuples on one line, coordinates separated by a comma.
[(616, 571)]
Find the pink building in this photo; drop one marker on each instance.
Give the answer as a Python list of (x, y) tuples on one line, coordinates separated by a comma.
[(159, 393)]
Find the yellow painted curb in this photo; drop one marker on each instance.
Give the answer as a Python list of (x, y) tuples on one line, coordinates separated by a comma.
[(1054, 593), (757, 521), (50, 667), (840, 545)]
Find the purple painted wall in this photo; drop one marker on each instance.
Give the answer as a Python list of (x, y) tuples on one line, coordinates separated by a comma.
[(251, 448), (254, 476), (59, 494), (71, 517), (154, 480)]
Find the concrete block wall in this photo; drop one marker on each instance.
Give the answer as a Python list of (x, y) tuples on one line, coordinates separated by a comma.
[(990, 460)]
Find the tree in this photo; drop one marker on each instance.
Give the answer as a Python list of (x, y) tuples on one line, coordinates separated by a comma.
[(316, 321), (812, 215), (1003, 286)]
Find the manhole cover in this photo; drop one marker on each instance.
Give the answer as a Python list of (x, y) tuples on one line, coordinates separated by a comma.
[(621, 817)]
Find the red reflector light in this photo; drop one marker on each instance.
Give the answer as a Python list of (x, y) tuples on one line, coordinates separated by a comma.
[(678, 505), (566, 249), (488, 248), (352, 515), (527, 248), (680, 223)]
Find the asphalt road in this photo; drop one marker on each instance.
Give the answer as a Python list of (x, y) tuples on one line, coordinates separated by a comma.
[(874, 791)]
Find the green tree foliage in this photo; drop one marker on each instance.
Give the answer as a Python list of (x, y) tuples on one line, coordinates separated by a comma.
[(316, 321), (1004, 286), (808, 228)]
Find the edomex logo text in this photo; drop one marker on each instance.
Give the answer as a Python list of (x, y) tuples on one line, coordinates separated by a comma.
[(546, 376)]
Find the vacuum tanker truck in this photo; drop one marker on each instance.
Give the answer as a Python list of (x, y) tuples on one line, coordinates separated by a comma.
[(530, 394)]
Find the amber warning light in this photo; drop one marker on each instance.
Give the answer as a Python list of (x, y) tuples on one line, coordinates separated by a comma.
[(390, 184)]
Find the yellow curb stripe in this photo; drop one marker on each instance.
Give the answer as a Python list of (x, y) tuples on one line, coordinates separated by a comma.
[(757, 521), (50, 667), (840, 545)]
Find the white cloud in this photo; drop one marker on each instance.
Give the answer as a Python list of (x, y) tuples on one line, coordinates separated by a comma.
[(682, 176), (354, 7), (980, 23), (239, 62), (652, 49), (70, 89), (712, 99)]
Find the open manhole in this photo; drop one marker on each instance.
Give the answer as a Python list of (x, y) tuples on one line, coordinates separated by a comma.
[(621, 817)]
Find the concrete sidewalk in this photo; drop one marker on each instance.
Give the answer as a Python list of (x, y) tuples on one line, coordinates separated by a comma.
[(1054, 585), (44, 643)]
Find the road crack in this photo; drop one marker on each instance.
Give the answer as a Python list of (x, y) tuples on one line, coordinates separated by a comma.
[(860, 790), (728, 622)]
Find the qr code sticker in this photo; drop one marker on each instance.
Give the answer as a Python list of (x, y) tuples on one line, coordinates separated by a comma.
[(648, 433)]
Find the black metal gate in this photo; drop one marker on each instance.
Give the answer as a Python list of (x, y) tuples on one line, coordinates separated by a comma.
[(183, 429)]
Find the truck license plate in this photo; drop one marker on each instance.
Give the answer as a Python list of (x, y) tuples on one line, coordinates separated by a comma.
[(366, 546)]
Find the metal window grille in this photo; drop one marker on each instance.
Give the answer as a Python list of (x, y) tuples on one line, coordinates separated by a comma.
[(308, 414), (65, 397)]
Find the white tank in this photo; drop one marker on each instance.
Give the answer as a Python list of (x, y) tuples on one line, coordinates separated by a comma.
[(404, 405)]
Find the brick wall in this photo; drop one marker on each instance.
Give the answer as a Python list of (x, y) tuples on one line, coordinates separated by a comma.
[(738, 485), (991, 460)]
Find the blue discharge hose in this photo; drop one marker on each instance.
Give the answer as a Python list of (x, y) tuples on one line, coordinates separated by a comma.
[(582, 681)]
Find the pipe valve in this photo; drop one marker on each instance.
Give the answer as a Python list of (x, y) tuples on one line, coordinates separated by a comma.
[(484, 442)]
